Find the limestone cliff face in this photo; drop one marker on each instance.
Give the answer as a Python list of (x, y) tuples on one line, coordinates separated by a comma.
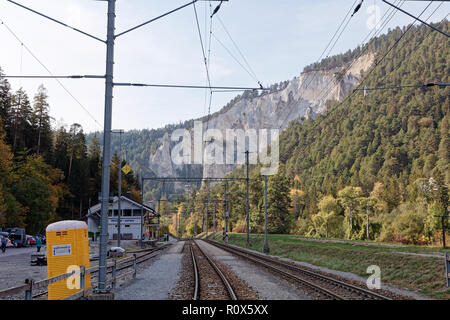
[(304, 96)]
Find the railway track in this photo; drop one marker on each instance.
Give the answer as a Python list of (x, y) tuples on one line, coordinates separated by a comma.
[(324, 286), (208, 284)]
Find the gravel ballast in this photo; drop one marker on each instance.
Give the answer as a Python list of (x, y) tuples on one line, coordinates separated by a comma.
[(266, 285)]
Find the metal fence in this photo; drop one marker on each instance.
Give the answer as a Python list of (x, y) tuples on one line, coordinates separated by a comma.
[(33, 289)]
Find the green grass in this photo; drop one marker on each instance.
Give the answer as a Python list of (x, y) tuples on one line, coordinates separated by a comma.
[(421, 274)]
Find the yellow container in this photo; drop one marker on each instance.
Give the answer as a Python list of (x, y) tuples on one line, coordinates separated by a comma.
[(67, 250)]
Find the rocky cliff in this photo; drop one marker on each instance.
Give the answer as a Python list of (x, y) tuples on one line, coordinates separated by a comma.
[(304, 96)]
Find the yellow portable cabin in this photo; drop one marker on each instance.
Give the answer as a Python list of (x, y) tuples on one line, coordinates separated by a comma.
[(67, 250)]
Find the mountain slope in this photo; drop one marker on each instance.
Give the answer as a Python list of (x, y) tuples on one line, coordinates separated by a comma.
[(305, 96)]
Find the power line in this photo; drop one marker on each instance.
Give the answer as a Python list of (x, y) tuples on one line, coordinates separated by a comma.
[(384, 24), (124, 84), (327, 46), (48, 70), (417, 18), (392, 47), (201, 43), (238, 50), (325, 92), (235, 59), (57, 21), (394, 87), (55, 77), (357, 89)]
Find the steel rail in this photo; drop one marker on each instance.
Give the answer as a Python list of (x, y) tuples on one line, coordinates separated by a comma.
[(225, 281), (337, 283), (304, 282), (196, 277)]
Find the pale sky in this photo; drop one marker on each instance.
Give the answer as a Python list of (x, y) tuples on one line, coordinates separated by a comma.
[(277, 37)]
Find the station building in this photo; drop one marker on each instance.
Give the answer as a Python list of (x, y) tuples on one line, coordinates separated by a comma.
[(130, 219)]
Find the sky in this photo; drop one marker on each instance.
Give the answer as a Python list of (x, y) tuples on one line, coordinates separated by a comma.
[(277, 37)]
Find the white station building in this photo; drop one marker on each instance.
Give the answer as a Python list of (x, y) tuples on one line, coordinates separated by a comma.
[(130, 219)]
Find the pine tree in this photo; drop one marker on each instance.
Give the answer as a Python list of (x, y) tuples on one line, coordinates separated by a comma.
[(278, 203), (21, 128), (41, 123)]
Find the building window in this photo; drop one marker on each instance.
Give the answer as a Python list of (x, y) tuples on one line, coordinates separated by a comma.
[(127, 213), (137, 213), (127, 226)]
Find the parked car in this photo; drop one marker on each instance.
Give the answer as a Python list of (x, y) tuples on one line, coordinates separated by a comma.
[(31, 241), (17, 236), (9, 244)]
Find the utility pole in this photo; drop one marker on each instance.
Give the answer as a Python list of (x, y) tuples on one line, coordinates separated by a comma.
[(142, 210), (266, 244), (225, 205), (119, 201), (214, 218), (107, 144), (207, 211), (109, 84), (176, 223), (248, 204)]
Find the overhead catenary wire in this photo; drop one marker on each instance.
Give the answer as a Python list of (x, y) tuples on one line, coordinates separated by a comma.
[(323, 97), (395, 87), (55, 76), (209, 62), (239, 50), (205, 60), (202, 46), (130, 84), (330, 86), (49, 72), (337, 107), (234, 57), (311, 79), (392, 47), (387, 17)]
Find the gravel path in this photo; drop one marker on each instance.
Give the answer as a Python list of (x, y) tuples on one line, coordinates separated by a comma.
[(15, 267), (157, 280)]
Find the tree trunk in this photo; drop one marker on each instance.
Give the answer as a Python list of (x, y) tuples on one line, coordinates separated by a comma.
[(367, 223), (351, 219)]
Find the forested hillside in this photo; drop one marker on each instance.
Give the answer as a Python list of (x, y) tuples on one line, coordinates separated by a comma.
[(373, 167), (45, 174)]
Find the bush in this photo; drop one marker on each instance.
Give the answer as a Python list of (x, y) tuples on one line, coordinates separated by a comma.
[(407, 225)]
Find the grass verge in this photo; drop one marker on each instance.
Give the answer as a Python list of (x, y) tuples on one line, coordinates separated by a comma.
[(423, 274)]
